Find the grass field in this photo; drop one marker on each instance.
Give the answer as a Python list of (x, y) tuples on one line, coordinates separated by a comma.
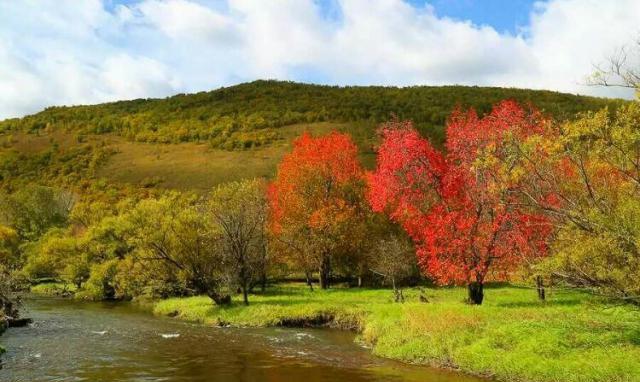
[(185, 166), (513, 336), (197, 167)]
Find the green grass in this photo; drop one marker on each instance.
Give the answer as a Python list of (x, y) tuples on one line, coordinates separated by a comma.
[(52, 289), (571, 337)]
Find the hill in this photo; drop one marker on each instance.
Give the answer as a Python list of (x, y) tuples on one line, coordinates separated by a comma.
[(194, 141)]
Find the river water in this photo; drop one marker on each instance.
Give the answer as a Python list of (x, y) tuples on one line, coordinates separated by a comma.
[(75, 341)]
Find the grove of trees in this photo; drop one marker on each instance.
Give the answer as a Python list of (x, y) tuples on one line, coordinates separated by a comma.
[(511, 189), (462, 208)]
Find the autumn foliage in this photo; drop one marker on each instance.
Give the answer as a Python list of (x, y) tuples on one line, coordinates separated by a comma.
[(584, 175), (462, 208), (315, 200)]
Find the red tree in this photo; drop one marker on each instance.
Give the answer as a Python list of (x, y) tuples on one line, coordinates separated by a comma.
[(461, 208), (315, 200)]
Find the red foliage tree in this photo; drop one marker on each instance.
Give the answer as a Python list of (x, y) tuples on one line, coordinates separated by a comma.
[(316, 200), (461, 208)]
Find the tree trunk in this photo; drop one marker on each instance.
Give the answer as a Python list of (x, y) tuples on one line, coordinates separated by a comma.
[(325, 272), (360, 281), (307, 274), (244, 280), (263, 282), (540, 288), (263, 273), (476, 293), (395, 291), (245, 295)]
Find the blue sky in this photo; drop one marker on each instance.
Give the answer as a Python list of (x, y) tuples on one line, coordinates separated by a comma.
[(62, 52), (503, 15)]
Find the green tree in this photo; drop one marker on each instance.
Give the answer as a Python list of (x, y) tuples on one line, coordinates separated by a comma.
[(77, 270), (9, 241), (172, 230), (32, 210), (239, 212), (47, 257), (101, 284), (585, 175)]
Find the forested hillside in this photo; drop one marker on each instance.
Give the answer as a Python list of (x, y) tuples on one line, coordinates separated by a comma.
[(231, 133), (230, 117)]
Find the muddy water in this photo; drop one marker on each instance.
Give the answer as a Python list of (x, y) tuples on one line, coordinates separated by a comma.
[(72, 341)]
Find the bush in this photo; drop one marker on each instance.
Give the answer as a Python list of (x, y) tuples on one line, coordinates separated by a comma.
[(101, 283)]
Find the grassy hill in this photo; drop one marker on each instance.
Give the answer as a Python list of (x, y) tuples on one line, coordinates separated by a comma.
[(198, 140)]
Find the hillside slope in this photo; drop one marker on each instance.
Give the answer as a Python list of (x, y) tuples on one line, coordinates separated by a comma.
[(198, 140)]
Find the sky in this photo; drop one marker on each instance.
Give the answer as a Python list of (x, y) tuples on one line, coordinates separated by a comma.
[(67, 52)]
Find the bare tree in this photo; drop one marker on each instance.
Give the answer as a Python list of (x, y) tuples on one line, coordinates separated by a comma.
[(239, 210), (621, 69), (395, 260)]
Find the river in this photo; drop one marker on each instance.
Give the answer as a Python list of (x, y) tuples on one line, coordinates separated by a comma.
[(76, 341)]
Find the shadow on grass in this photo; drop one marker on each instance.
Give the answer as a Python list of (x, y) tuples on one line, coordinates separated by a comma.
[(633, 336), (503, 285), (540, 304)]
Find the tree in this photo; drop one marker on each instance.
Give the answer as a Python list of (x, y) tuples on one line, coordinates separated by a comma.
[(460, 208), (101, 283), (106, 239), (239, 209), (585, 177), (48, 256), (9, 241), (87, 213), (316, 200), (9, 301), (32, 210), (77, 270), (172, 230), (621, 69), (394, 259)]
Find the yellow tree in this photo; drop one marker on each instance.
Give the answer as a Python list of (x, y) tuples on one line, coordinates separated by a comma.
[(585, 176)]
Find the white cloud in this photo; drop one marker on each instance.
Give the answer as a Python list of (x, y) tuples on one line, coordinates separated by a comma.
[(135, 77), (182, 19), (56, 52), (568, 37), (391, 42)]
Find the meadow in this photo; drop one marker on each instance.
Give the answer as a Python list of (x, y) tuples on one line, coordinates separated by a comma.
[(188, 166), (573, 336)]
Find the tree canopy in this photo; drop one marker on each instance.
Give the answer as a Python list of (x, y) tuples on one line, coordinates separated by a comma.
[(459, 206)]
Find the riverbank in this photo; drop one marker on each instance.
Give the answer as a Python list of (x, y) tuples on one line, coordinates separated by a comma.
[(53, 289), (3, 327), (570, 337)]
